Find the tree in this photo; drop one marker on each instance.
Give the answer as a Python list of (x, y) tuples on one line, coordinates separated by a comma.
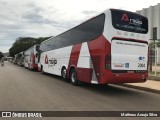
[(158, 44), (24, 43), (152, 52), (1, 55)]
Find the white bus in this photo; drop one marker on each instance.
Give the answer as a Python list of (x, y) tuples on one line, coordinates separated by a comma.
[(20, 59), (15, 58), (31, 58), (111, 47)]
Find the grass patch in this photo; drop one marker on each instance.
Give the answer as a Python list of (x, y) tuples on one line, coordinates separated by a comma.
[(152, 73)]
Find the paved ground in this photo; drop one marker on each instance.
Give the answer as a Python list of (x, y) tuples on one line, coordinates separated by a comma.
[(24, 90), (156, 68), (149, 85)]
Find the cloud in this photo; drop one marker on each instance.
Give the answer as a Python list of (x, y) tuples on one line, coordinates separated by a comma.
[(36, 18), (89, 12), (32, 14), (3, 3), (36, 15), (32, 20)]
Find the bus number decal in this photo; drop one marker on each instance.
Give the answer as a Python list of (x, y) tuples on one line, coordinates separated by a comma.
[(141, 65)]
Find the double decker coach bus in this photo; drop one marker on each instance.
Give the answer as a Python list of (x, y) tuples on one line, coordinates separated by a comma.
[(20, 59), (31, 58), (15, 58), (109, 48)]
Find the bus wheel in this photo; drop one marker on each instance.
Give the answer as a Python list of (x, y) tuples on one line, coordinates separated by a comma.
[(64, 73), (73, 77)]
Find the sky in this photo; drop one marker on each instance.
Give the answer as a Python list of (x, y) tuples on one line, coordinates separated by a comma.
[(43, 18)]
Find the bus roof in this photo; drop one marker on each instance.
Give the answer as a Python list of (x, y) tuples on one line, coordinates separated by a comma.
[(103, 12)]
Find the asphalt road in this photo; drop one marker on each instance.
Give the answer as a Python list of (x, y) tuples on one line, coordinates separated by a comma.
[(25, 90)]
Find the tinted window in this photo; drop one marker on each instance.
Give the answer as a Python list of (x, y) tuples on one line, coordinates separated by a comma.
[(127, 21), (37, 48), (84, 32), (43, 47), (19, 55)]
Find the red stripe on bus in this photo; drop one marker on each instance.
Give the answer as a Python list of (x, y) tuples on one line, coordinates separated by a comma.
[(96, 52), (73, 60)]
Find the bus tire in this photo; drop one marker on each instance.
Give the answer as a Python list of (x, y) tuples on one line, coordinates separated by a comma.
[(73, 77), (64, 73)]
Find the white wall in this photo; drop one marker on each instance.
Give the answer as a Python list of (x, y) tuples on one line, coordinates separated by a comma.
[(153, 15)]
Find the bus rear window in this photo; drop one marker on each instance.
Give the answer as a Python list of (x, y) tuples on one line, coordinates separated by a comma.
[(128, 21)]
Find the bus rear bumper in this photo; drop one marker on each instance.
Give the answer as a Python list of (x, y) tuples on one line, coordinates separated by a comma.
[(124, 78)]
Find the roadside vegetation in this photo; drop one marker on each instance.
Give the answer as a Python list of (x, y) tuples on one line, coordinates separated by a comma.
[(24, 43)]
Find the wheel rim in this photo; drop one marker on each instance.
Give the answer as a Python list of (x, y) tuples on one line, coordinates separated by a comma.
[(64, 73), (73, 77)]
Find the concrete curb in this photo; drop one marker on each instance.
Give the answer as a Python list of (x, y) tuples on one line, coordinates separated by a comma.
[(140, 88), (154, 78)]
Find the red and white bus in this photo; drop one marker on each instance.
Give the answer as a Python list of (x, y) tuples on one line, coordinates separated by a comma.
[(15, 59), (109, 48), (20, 59), (31, 58)]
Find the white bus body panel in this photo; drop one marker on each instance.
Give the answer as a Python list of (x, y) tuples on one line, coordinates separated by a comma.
[(62, 56), (110, 32), (84, 57)]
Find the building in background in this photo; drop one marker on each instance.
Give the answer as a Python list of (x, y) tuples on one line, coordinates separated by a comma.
[(153, 15)]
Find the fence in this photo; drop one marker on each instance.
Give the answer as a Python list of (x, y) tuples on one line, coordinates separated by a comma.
[(154, 62)]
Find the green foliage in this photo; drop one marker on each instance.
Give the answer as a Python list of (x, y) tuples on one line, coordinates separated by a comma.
[(1, 55), (158, 44), (24, 43), (151, 45)]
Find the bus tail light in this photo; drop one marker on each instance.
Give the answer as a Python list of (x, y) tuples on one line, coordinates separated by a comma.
[(108, 61)]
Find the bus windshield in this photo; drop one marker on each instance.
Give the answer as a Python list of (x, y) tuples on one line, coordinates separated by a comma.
[(37, 48), (127, 21)]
